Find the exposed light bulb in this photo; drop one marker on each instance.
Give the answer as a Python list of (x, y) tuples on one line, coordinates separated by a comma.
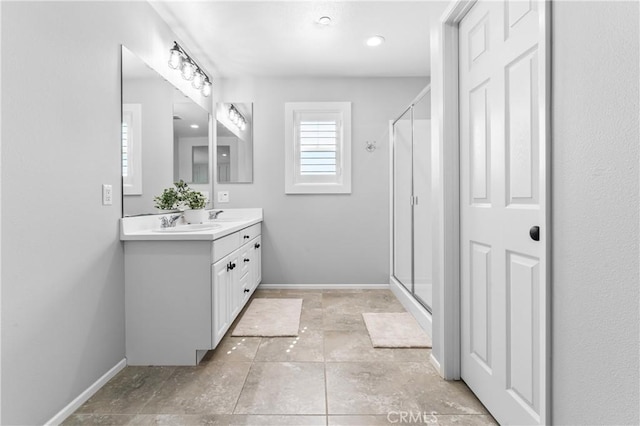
[(198, 80), (188, 70), (206, 88), (175, 58), (243, 126), (194, 126)]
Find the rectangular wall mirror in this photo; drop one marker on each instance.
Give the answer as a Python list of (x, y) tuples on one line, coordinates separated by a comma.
[(165, 138), (234, 142)]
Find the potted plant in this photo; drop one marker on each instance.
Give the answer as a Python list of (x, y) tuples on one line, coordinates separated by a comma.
[(181, 197), (195, 202), (169, 200)]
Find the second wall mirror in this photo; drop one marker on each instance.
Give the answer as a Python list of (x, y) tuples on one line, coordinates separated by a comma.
[(234, 142)]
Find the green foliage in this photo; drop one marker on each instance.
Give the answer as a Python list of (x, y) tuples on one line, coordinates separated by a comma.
[(179, 197), (195, 200)]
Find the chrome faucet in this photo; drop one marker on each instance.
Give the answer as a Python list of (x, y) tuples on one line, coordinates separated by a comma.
[(169, 221), (214, 214)]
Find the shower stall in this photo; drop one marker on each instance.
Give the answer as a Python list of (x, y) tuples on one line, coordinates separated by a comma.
[(411, 240)]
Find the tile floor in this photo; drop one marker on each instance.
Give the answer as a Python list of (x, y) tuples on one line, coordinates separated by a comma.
[(329, 375)]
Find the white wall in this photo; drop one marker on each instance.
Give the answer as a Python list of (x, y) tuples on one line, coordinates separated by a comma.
[(595, 201), (322, 239), (595, 213), (62, 261)]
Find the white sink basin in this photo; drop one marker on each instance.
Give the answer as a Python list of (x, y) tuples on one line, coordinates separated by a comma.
[(227, 219), (190, 228)]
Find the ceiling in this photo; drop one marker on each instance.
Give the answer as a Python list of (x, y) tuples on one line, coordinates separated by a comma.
[(283, 38)]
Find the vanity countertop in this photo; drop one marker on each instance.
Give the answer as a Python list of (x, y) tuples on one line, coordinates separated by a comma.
[(147, 228)]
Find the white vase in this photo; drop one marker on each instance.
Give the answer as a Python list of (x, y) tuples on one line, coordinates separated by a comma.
[(195, 215)]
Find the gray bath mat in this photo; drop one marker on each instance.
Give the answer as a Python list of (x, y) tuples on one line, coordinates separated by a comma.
[(395, 330), (268, 317)]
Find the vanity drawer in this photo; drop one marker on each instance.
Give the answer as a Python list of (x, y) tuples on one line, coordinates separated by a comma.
[(249, 233), (225, 245)]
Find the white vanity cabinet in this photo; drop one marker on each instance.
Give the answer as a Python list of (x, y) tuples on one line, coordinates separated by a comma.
[(234, 271), (181, 296)]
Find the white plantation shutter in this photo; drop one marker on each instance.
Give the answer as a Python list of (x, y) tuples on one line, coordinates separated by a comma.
[(131, 149), (318, 147)]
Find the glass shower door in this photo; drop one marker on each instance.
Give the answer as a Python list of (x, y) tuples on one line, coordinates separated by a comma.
[(422, 201), (402, 192), (412, 239)]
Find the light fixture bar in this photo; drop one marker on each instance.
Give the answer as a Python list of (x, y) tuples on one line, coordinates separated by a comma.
[(181, 61)]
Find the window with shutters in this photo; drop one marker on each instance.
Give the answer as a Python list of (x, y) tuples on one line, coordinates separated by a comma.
[(318, 147), (131, 149)]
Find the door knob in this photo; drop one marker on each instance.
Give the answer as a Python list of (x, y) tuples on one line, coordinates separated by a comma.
[(534, 233)]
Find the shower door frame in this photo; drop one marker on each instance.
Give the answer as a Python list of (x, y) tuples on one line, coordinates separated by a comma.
[(392, 149)]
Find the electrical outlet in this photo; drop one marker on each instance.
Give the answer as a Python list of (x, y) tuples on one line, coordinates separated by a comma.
[(107, 195), (223, 196)]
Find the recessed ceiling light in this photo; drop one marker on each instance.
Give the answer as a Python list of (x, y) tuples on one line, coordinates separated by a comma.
[(375, 40), (324, 20), (194, 126)]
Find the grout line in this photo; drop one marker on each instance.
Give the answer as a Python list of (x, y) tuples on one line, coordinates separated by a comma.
[(246, 378)]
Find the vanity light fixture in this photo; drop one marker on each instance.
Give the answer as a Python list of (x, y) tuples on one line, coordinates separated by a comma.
[(375, 40), (237, 118), (180, 60)]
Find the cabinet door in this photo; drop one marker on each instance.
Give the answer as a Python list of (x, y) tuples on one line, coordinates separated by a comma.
[(256, 262), (220, 294), (235, 297), (245, 288)]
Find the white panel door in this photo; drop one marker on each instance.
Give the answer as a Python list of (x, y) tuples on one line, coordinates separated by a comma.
[(502, 189)]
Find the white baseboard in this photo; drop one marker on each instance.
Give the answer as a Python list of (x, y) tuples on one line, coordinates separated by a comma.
[(436, 365), (84, 396), (412, 305), (323, 286)]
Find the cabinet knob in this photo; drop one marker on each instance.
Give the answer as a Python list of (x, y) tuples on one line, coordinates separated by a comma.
[(233, 265), (247, 260), (229, 267), (246, 290), (257, 245), (246, 237)]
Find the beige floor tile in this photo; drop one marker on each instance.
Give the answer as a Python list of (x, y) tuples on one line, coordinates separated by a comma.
[(248, 420), (185, 419), (360, 301), (306, 347), (128, 391), (359, 421), (260, 383), (381, 387), (210, 389), (311, 318), (466, 420), (234, 349), (349, 346), (105, 419), (283, 388), (343, 322)]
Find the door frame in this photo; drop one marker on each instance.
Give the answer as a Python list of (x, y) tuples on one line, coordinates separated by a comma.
[(450, 298)]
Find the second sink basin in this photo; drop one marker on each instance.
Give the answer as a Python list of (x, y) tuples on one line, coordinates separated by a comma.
[(190, 228)]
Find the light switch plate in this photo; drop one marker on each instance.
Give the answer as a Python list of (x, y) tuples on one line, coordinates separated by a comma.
[(223, 196), (107, 195)]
